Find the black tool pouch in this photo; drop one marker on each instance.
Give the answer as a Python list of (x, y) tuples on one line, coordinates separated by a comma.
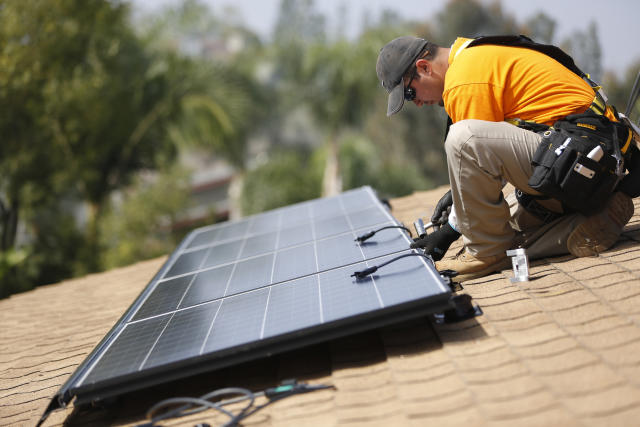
[(564, 170)]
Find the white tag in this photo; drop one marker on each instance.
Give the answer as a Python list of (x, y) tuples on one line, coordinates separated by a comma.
[(584, 171)]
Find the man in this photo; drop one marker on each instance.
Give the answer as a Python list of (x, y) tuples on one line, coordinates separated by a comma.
[(484, 88)]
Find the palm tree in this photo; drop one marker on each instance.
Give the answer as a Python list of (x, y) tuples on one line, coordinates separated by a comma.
[(340, 83)]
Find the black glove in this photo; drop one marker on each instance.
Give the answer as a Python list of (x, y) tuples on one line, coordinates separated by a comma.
[(443, 209), (437, 243)]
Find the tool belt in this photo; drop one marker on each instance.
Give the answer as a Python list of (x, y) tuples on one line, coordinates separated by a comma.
[(580, 161)]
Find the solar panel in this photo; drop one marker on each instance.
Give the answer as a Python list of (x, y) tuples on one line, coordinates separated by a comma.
[(240, 290)]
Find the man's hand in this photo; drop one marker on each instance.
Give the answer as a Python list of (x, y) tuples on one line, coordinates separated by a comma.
[(437, 243), (443, 209)]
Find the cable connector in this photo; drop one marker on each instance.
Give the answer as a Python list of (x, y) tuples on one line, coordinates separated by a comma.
[(367, 271), (370, 234), (364, 273), (292, 387), (364, 237)]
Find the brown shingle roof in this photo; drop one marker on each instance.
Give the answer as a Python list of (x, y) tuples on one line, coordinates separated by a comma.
[(561, 349)]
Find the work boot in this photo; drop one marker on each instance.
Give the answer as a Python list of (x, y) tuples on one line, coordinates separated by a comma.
[(471, 267), (600, 231)]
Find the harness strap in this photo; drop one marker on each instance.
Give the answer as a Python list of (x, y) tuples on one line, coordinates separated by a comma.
[(531, 205)]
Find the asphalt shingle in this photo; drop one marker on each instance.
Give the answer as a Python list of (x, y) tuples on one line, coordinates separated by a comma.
[(561, 349)]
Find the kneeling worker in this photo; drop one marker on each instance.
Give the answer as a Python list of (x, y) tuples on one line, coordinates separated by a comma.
[(486, 86)]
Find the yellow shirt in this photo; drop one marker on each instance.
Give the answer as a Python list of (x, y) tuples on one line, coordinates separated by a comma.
[(496, 83)]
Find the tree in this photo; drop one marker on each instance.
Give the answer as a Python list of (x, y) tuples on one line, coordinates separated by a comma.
[(222, 103), (339, 87), (584, 47), (469, 18), (139, 225), (288, 176), (540, 27), (84, 108), (220, 117), (618, 88)]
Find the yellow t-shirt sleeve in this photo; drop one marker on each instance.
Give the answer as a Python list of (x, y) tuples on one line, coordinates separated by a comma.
[(479, 101)]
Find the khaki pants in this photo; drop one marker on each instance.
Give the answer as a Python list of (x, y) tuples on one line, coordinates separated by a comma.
[(482, 158)]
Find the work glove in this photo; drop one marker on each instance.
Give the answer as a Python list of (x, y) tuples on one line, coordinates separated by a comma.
[(437, 243), (443, 209)]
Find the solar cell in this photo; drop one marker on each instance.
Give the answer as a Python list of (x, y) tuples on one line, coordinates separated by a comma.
[(274, 281), (208, 285)]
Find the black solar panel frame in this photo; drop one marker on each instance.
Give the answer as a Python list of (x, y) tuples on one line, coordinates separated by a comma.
[(267, 347), (104, 389)]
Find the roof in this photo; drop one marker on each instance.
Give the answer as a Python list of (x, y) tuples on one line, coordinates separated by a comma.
[(561, 349)]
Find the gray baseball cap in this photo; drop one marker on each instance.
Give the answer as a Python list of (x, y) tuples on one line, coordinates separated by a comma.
[(394, 60)]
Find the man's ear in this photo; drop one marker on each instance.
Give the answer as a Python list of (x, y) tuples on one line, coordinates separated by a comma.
[(424, 66)]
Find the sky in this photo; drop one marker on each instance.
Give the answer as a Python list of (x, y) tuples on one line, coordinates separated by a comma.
[(618, 21)]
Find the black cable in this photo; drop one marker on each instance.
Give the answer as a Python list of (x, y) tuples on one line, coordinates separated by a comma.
[(203, 404), (367, 271), (370, 234), (195, 405)]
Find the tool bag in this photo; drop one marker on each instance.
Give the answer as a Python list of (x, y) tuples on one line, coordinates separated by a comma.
[(579, 161)]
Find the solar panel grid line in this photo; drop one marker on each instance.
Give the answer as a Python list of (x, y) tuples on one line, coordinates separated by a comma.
[(363, 256), (225, 292), (273, 267), (190, 237), (204, 230), (166, 278), (233, 270), (208, 334), (320, 298), (215, 316), (263, 322), (315, 250), (264, 316), (348, 237), (144, 361), (352, 265), (220, 242), (193, 278), (158, 283), (104, 351)]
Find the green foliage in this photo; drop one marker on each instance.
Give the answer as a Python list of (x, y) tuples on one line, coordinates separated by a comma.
[(470, 18), (84, 108), (219, 116), (338, 82), (364, 164), (540, 27), (139, 226), (584, 47), (58, 243), (92, 108), (10, 261), (618, 89), (290, 176)]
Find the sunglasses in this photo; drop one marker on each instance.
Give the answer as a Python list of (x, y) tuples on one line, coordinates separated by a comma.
[(409, 92)]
